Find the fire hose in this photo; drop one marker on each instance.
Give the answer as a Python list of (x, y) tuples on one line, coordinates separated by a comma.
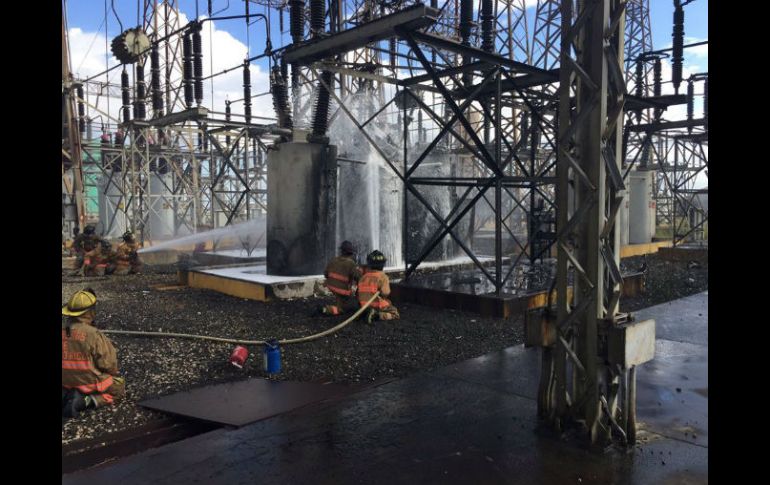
[(309, 338)]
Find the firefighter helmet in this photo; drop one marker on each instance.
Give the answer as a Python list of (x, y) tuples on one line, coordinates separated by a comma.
[(128, 236), (347, 247), (81, 302), (375, 260), (90, 229)]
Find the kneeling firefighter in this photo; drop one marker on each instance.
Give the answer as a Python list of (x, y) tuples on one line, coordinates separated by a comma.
[(89, 362), (126, 257), (341, 274), (374, 280)]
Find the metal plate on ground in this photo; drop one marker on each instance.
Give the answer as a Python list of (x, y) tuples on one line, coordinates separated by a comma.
[(243, 402)]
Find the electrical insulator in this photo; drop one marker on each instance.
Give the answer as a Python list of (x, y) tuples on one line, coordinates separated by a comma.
[(247, 92), (297, 20), (140, 109), (690, 102), (677, 56), (657, 77), (321, 115), (280, 98), (419, 125), (198, 63), (317, 17), (227, 118), (466, 21), (126, 96), (187, 65), (81, 110), (157, 94), (639, 88), (487, 26), (392, 52)]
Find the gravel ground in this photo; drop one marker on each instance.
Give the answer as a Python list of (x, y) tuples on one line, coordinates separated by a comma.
[(425, 338), (664, 280)]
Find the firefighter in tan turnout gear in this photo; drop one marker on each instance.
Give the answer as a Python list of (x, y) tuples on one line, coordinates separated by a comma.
[(374, 280), (99, 261), (89, 362), (126, 257), (341, 274)]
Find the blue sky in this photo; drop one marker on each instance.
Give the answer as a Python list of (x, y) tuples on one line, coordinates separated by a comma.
[(88, 15), (228, 39)]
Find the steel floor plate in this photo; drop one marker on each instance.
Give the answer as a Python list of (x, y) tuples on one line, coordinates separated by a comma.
[(243, 402)]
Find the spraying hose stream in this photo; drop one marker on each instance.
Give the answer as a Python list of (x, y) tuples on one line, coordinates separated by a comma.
[(248, 342)]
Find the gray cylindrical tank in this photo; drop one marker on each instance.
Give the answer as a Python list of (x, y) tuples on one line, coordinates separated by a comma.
[(161, 216), (112, 217), (642, 207)]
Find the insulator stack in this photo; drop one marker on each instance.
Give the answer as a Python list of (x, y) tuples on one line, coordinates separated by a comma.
[(297, 20), (524, 129), (677, 55), (247, 92), (187, 71), (227, 118), (126, 91), (157, 94), (280, 98), (639, 88), (140, 107), (433, 4), (639, 78), (119, 139), (198, 63), (534, 139), (690, 102), (419, 125), (297, 31), (645, 157), (487, 26), (321, 115), (81, 110), (657, 77), (392, 53), (317, 17), (280, 19), (466, 24), (466, 21)]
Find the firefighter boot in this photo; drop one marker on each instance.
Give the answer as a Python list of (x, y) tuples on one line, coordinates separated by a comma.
[(75, 403), (372, 316)]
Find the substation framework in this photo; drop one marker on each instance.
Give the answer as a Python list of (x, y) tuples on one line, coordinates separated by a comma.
[(544, 111)]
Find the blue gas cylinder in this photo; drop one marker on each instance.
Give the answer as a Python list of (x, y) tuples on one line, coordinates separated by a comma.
[(272, 357)]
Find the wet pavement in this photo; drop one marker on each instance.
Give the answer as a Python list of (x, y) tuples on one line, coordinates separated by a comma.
[(471, 422)]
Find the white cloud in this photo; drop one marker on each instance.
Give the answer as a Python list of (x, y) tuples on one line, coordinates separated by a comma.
[(220, 51)]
